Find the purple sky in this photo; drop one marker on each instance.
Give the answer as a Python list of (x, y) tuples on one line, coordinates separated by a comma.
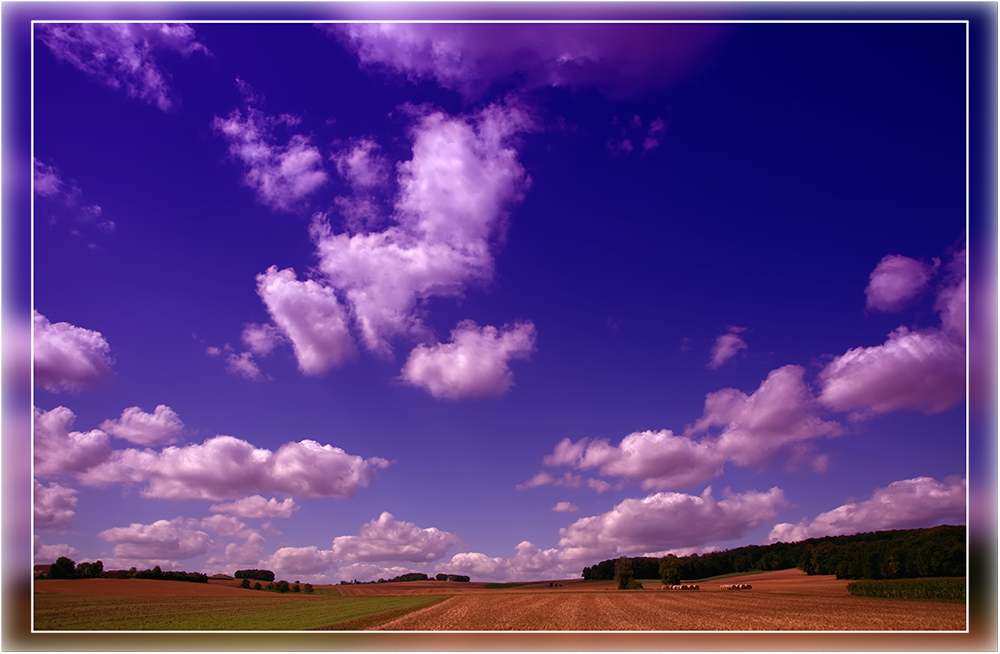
[(352, 300)]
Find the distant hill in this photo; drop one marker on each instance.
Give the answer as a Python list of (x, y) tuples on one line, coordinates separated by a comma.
[(897, 554)]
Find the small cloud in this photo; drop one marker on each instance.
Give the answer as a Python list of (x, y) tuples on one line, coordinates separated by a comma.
[(68, 358), (896, 280), (726, 347), (163, 426), (565, 507)]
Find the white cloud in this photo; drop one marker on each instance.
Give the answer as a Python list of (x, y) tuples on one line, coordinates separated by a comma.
[(49, 184), (122, 55), (895, 281), (242, 364), (386, 539), (163, 426), (45, 554), (175, 539), (300, 561), (256, 506), (361, 166), (472, 364), (53, 506), (565, 507), (224, 467), (906, 504), (261, 339), (451, 207), (282, 175), (726, 347), (568, 480), (669, 520), (312, 318), (68, 358), (59, 451)]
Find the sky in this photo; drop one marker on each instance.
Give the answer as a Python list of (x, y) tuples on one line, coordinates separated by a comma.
[(349, 300)]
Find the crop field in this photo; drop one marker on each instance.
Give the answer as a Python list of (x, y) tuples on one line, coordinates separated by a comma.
[(134, 605), (786, 600)]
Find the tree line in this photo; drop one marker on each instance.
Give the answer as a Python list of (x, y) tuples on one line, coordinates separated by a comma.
[(896, 554)]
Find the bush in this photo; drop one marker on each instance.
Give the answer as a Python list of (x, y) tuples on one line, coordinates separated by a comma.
[(245, 583), (308, 588), (256, 586), (282, 586)]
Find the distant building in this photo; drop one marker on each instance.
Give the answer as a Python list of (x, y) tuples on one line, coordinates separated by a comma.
[(42, 570)]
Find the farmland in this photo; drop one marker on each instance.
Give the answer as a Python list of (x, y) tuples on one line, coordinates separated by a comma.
[(786, 600)]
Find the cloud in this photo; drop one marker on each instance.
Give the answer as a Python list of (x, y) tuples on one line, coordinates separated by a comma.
[(895, 281), (49, 184), (59, 451), (312, 318), (50, 553), (54, 506), (469, 58), (300, 560), (122, 55), (261, 339), (669, 520), (225, 467), (386, 539), (919, 369), (282, 175), (565, 507), (473, 363), (68, 358), (361, 166), (726, 347), (175, 539), (449, 214), (908, 504), (568, 480), (242, 364), (163, 426), (256, 506)]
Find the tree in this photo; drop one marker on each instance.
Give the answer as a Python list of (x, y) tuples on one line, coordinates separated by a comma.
[(296, 588), (670, 570), (282, 586), (63, 568), (257, 586), (624, 576), (245, 583), (308, 588)]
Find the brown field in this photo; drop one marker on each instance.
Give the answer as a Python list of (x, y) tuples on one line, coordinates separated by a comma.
[(786, 600)]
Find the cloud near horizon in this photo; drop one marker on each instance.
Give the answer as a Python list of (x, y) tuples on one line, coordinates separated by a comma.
[(123, 55), (906, 504)]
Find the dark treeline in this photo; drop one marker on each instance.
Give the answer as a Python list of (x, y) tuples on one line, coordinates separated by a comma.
[(897, 554), (171, 575), (410, 576), (263, 575)]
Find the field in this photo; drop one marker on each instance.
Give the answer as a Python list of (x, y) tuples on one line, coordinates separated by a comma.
[(786, 600)]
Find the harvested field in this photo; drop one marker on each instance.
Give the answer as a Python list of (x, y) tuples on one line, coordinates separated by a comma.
[(140, 588)]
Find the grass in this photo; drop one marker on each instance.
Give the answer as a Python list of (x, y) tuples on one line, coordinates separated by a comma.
[(938, 588), (59, 611), (725, 576), (512, 584)]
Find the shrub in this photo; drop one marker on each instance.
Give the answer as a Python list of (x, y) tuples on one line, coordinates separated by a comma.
[(308, 588), (245, 583)]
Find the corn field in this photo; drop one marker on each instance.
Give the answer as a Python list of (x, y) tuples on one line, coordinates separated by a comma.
[(950, 588)]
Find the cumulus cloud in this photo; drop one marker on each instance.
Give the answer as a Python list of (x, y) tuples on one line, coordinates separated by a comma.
[(386, 539), (243, 364), (256, 506), (58, 451), (469, 58), (175, 539), (282, 175), (473, 363), (224, 467), (162, 426), (726, 347), (68, 358), (669, 520), (919, 369), (123, 55), (310, 316), (568, 480), (301, 560), (907, 504), (895, 281), (50, 553), (450, 212), (362, 166), (54, 506), (565, 507)]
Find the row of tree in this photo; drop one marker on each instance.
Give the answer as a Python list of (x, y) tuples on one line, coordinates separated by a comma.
[(65, 568), (410, 576), (897, 554), (262, 575), (170, 575), (279, 587)]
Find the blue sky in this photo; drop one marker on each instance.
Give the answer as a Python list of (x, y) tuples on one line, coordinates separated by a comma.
[(350, 300)]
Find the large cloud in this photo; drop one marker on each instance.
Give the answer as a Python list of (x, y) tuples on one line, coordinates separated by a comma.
[(68, 358), (450, 211), (176, 539), (472, 364), (386, 539), (918, 369), (907, 504), (162, 426), (895, 281), (224, 467), (310, 315), (670, 520), (54, 506), (122, 55), (49, 553), (282, 175), (470, 57), (58, 451)]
